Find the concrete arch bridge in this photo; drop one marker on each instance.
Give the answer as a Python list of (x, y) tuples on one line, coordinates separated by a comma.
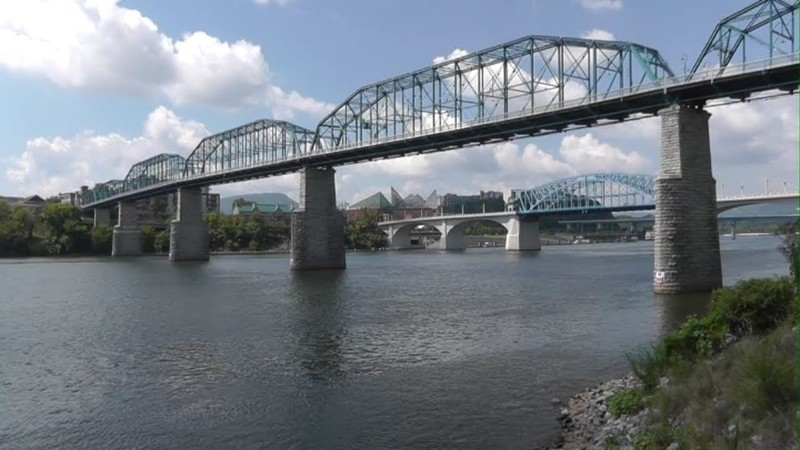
[(585, 194)]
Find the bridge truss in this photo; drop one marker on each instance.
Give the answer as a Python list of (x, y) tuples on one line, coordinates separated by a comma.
[(588, 193), (765, 29), (155, 170), (535, 72), (253, 144)]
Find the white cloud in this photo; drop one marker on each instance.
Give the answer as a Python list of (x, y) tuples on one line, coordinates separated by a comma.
[(284, 104), (598, 34), (587, 155), (600, 5), (499, 167), (273, 2), (51, 165), (100, 46), (455, 54)]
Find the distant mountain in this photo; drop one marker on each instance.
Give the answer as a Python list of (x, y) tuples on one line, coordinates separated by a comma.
[(226, 203)]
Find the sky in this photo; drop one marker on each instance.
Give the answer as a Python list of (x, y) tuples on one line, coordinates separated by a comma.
[(90, 87)]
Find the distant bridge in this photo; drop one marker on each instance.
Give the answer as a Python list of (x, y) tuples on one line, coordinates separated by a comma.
[(585, 194)]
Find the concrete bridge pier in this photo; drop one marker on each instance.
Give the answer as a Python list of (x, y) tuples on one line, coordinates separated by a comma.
[(452, 236), (188, 233), (318, 226), (687, 257), (399, 237), (522, 235), (127, 237), (733, 231), (102, 216)]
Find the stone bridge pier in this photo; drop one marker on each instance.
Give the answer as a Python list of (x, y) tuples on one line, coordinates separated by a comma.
[(317, 226), (188, 233), (102, 216), (687, 255), (127, 237)]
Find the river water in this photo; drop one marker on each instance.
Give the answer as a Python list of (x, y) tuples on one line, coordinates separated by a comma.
[(411, 349)]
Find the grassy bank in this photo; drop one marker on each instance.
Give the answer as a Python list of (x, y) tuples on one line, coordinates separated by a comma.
[(727, 380)]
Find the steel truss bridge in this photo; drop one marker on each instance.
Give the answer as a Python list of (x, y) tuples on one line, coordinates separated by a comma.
[(532, 86)]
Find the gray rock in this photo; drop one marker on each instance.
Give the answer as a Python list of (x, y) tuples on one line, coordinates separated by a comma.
[(674, 446)]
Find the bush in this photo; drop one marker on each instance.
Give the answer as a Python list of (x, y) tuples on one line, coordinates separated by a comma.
[(649, 365), (102, 235), (655, 438), (766, 380), (161, 242), (754, 306), (148, 239), (696, 338), (627, 402)]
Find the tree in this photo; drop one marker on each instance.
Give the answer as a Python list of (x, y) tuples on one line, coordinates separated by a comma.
[(102, 236), (18, 233), (63, 229), (161, 242), (148, 239), (363, 233)]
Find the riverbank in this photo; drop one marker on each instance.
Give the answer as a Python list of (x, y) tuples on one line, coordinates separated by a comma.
[(588, 423), (726, 380)]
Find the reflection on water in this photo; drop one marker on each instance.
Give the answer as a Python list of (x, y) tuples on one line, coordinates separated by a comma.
[(320, 322), (673, 309), (419, 349)]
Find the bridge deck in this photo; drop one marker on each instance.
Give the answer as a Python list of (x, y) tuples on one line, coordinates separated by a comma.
[(736, 82)]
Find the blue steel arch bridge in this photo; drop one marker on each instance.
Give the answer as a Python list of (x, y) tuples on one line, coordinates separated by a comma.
[(531, 86), (601, 192)]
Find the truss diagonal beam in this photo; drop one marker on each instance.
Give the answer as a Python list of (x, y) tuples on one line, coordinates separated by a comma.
[(523, 75), (593, 192)]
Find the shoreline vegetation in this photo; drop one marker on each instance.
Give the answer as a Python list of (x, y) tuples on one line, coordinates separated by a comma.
[(725, 380)]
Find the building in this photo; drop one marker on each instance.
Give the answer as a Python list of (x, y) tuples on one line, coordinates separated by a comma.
[(486, 201), (375, 204), (271, 211), (70, 198), (411, 207), (32, 203)]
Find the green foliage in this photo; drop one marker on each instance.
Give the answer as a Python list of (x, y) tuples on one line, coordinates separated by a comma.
[(148, 239), (749, 388), (649, 365), (485, 228), (101, 239), (655, 438), (255, 232), (363, 233), (766, 375), (63, 230), (754, 306), (161, 242), (626, 402), (612, 443), (696, 338)]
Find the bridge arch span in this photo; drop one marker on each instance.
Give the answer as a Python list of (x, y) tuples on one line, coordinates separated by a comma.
[(521, 234), (592, 192)]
